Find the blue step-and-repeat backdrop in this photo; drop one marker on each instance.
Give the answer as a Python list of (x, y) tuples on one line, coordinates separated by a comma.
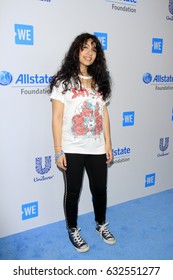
[(137, 36)]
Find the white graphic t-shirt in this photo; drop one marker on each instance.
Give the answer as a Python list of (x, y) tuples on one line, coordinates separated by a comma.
[(82, 130)]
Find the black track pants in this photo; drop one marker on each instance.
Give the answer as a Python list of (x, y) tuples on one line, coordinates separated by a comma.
[(96, 168)]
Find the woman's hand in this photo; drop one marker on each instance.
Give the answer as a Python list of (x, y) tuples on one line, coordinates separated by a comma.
[(109, 154), (61, 162), (107, 135)]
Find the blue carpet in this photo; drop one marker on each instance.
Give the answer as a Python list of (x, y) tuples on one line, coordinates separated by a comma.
[(143, 228)]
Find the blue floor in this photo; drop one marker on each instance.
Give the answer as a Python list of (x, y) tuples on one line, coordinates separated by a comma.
[(143, 228)]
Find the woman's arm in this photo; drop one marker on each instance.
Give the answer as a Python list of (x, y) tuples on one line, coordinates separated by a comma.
[(107, 135), (57, 122)]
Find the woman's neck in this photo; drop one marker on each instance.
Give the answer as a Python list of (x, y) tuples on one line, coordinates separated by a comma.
[(86, 83), (83, 70), (84, 73), (85, 77)]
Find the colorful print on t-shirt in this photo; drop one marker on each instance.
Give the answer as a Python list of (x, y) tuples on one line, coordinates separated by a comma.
[(87, 120)]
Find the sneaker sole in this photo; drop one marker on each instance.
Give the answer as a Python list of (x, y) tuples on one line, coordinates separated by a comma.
[(106, 241), (82, 250)]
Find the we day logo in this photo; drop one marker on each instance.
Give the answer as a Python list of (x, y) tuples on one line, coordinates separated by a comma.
[(24, 34), (150, 180), (29, 210), (103, 38), (157, 45), (128, 118)]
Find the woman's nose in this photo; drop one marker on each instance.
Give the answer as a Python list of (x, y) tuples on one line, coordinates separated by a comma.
[(90, 51)]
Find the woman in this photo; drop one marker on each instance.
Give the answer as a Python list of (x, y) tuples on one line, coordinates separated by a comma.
[(81, 131)]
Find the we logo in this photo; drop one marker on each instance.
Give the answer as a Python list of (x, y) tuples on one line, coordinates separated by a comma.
[(157, 45), (103, 38), (150, 180), (29, 210), (128, 118), (24, 34)]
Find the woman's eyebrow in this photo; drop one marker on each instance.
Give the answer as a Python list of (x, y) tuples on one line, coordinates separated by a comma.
[(86, 44), (93, 45)]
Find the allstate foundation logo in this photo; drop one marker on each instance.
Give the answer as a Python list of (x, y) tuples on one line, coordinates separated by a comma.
[(28, 83), (5, 78), (123, 5), (121, 155), (147, 78), (170, 9), (24, 79), (163, 146), (161, 82), (43, 168)]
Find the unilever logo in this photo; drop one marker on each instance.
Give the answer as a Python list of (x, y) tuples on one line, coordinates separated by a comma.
[(171, 7), (147, 78), (163, 146), (43, 168), (5, 78), (39, 167)]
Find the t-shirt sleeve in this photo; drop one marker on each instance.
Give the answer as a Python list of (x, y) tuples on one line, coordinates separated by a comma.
[(57, 93)]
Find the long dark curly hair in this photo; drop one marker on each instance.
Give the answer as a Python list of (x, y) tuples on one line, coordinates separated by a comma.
[(70, 68)]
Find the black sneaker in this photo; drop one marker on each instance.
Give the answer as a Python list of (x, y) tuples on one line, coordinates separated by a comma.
[(77, 241), (105, 234)]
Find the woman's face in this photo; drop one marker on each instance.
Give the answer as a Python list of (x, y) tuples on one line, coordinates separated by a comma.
[(87, 54)]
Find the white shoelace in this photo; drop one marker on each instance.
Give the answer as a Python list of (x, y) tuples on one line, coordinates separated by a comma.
[(103, 229), (76, 235)]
